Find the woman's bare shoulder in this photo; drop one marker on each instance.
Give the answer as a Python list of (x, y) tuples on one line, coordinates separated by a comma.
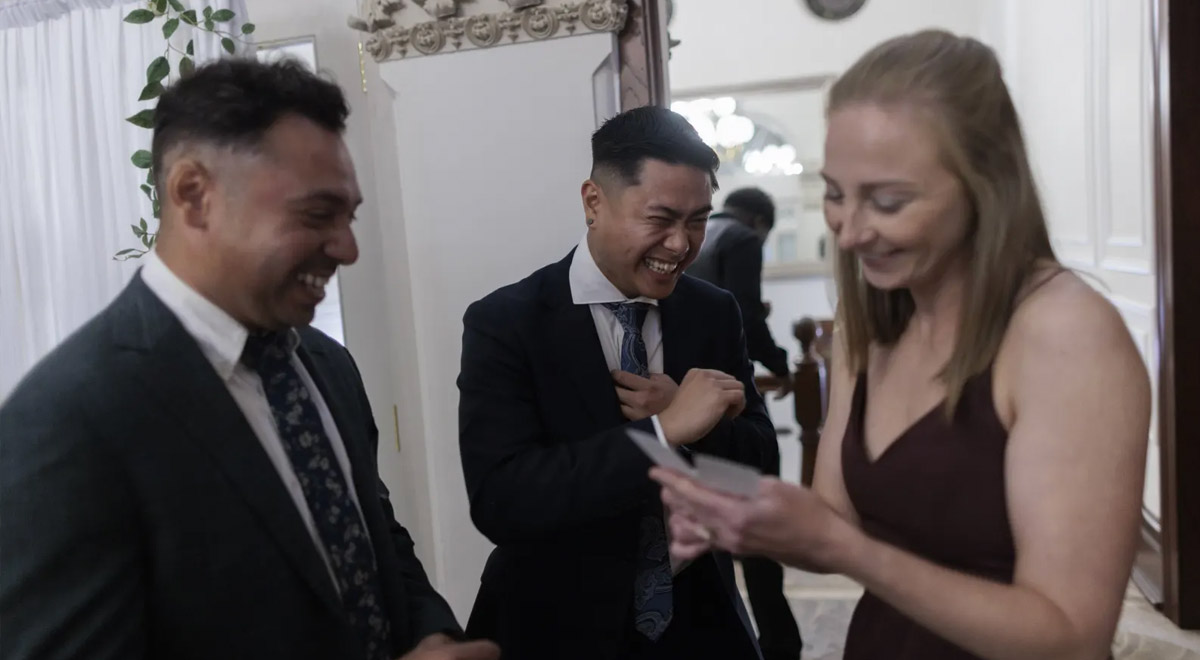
[(1058, 305), (1062, 316)]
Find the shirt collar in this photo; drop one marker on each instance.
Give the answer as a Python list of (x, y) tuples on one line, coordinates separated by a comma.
[(589, 286), (221, 337)]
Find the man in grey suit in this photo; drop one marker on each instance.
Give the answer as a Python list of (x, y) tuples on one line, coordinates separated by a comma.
[(192, 474)]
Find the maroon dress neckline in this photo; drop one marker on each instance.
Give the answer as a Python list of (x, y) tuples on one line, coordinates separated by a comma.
[(939, 491)]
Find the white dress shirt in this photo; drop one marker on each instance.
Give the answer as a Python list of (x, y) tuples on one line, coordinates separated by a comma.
[(589, 286), (221, 339)]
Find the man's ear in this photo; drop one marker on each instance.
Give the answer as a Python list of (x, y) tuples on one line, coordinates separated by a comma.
[(189, 185), (592, 196)]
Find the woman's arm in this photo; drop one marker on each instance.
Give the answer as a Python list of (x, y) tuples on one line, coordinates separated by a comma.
[(827, 474), (1075, 466), (828, 482)]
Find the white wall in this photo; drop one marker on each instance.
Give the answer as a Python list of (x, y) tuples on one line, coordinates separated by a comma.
[(491, 159), (760, 40), (1080, 74)]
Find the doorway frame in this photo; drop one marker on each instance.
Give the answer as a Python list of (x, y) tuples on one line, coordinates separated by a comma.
[(1177, 233), (643, 49)]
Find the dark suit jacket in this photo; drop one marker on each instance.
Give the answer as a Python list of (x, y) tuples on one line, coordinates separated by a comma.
[(142, 518), (555, 483), (732, 260)]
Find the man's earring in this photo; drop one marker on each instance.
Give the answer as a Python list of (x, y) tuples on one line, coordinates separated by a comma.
[(590, 221)]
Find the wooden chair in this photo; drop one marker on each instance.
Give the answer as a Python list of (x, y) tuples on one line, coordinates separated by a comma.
[(810, 387)]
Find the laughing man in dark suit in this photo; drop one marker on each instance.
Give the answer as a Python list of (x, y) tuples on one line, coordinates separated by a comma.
[(192, 475), (557, 367)]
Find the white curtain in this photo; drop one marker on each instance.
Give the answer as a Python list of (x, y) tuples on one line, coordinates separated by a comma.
[(20, 13), (68, 192)]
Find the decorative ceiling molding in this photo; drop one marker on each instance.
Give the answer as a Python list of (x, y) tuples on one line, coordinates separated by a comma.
[(439, 9), (398, 30)]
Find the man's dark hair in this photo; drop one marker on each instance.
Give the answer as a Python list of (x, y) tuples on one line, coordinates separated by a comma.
[(624, 142), (232, 102), (751, 202)]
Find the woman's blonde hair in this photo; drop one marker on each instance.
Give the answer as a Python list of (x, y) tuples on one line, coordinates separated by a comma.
[(956, 83)]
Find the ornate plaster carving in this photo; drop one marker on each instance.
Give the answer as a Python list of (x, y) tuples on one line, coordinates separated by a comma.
[(439, 9), (396, 31)]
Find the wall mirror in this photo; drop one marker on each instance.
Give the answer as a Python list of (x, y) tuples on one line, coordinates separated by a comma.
[(771, 136), (303, 49)]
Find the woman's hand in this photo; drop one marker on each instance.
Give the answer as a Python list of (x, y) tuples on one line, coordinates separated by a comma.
[(790, 524), (689, 539)]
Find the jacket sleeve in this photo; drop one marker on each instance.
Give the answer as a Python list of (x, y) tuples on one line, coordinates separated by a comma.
[(749, 438), (429, 613), (741, 275), (522, 485), (71, 582)]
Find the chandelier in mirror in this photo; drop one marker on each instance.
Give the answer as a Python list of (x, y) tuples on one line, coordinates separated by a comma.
[(755, 149), (771, 136)]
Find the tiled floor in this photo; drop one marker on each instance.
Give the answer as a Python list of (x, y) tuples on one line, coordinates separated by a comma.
[(823, 605), (1144, 634)]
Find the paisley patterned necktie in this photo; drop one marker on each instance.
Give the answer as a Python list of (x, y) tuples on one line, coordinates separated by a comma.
[(653, 602)]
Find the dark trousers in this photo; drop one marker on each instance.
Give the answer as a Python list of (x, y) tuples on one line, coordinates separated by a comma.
[(778, 634), (704, 624)]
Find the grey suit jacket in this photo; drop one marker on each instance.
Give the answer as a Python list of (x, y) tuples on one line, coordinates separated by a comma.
[(141, 518)]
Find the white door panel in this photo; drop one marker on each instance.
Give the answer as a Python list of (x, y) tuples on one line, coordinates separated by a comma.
[(1080, 72)]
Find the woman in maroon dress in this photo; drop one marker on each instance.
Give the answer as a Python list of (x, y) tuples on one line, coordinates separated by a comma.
[(981, 469)]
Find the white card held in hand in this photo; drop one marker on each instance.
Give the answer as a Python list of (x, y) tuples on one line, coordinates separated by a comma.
[(727, 476), (660, 453)]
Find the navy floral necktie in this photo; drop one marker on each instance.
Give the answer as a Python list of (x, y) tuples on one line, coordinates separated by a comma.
[(326, 491)]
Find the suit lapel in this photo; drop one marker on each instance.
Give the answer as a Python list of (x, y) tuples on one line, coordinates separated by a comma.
[(575, 346), (187, 388), (354, 439), (678, 342), (352, 421)]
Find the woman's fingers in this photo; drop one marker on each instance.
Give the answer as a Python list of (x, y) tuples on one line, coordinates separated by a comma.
[(686, 530), (667, 476), (689, 539), (688, 551)]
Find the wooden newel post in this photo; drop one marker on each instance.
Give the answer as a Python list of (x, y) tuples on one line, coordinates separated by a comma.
[(807, 393)]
